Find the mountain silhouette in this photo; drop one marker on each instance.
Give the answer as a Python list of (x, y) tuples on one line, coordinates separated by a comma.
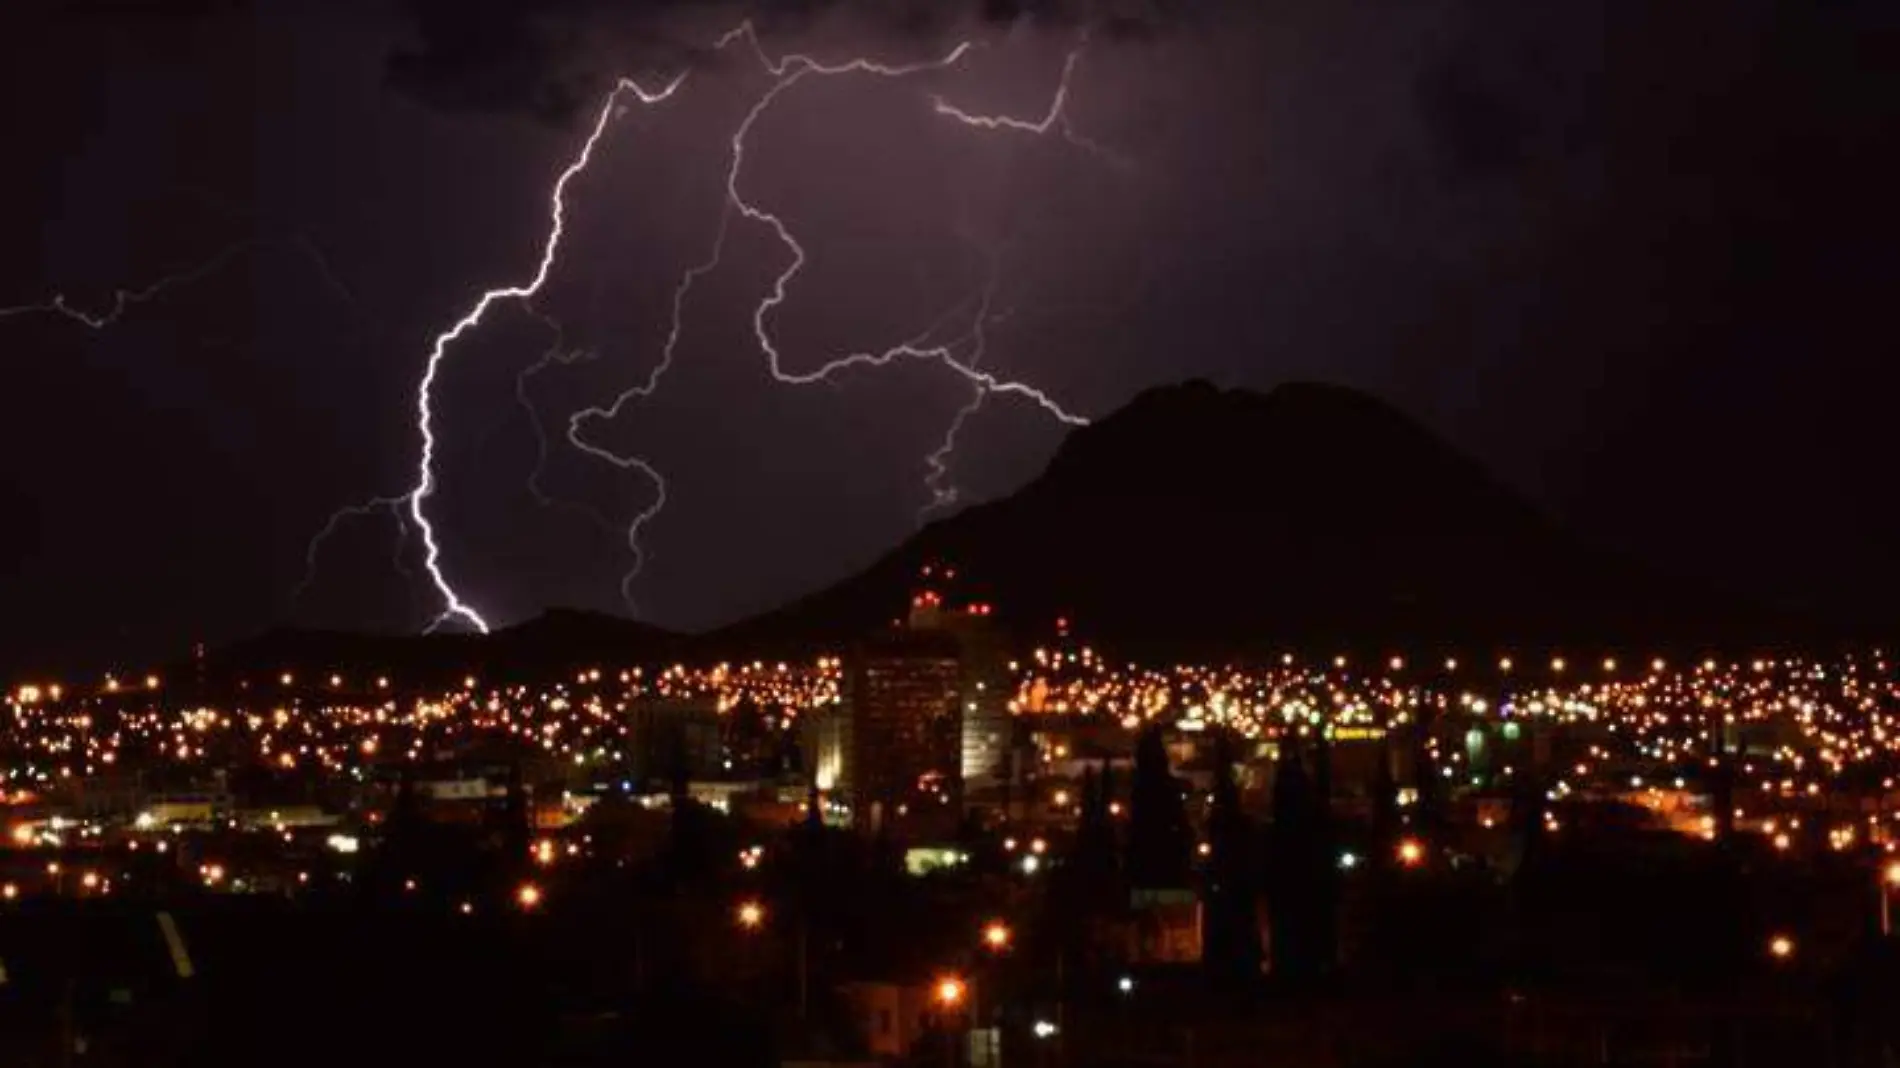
[(1204, 522), (556, 643), (1195, 522)]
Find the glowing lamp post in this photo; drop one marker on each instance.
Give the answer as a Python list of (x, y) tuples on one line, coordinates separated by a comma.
[(1411, 853), (751, 915), (949, 993)]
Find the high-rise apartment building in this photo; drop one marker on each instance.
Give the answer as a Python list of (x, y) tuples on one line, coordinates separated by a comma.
[(902, 746)]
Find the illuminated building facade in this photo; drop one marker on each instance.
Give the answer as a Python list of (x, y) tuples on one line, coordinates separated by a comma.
[(902, 750), (984, 686)]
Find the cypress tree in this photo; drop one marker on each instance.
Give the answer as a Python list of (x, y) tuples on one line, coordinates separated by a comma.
[(1290, 848), (1160, 843), (1230, 882)]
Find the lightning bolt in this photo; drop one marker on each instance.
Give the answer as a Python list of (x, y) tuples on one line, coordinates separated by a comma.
[(368, 509), (124, 300), (789, 71), (786, 72), (453, 605), (555, 354), (321, 262), (1056, 119), (937, 462)]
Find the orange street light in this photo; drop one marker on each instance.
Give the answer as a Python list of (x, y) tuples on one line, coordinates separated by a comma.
[(751, 915), (950, 991), (528, 897), (1411, 853), (997, 935), (1781, 947)]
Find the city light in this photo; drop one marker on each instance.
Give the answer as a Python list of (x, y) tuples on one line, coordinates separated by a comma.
[(1781, 947), (997, 935), (1819, 736), (1411, 852), (950, 991), (751, 915), (528, 897)]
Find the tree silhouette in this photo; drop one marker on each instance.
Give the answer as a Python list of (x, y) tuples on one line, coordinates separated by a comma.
[(1322, 868), (1160, 844), (1722, 780), (1529, 804), (1085, 892), (1094, 853), (1230, 882), (1299, 879), (516, 833), (1385, 806)]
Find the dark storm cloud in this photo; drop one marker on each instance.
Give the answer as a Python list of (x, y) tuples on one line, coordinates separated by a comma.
[(169, 9), (544, 56), (1513, 89), (492, 55)]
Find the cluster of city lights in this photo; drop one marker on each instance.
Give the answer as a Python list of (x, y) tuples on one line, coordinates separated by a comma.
[(53, 733), (1800, 730)]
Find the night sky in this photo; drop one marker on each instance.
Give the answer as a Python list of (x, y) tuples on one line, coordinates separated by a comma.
[(1637, 258)]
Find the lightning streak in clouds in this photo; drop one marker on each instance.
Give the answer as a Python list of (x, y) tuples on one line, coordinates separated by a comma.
[(787, 71), (1055, 119), (125, 299), (556, 353), (453, 605), (943, 495), (392, 505), (646, 389)]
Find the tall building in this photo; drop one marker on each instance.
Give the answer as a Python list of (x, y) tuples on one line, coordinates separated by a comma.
[(825, 739), (902, 752), (983, 683), (983, 690)]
